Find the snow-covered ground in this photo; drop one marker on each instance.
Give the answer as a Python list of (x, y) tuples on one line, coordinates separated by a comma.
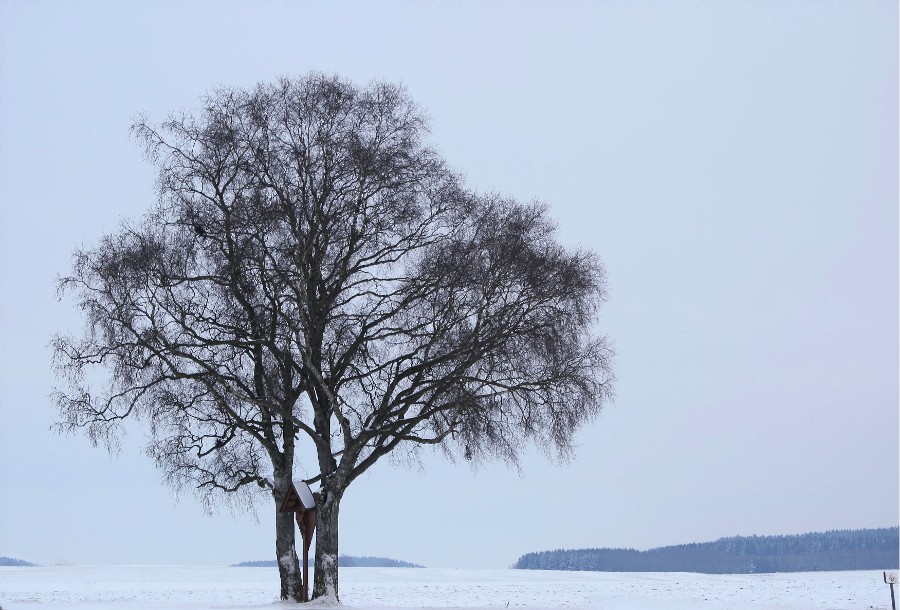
[(207, 588)]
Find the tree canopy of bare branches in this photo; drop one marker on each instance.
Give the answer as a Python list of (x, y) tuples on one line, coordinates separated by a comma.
[(314, 273)]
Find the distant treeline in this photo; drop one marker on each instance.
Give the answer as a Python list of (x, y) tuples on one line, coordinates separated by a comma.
[(344, 561), (348, 561), (18, 563), (867, 549)]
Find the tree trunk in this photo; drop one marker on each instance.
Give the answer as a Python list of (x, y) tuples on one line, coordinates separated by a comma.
[(325, 581), (285, 550)]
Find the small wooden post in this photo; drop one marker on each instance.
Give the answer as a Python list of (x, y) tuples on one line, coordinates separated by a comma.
[(890, 578)]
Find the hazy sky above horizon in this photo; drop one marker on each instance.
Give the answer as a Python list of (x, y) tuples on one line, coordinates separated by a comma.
[(735, 165)]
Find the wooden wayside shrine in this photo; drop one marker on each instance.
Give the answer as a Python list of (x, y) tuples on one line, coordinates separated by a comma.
[(301, 502)]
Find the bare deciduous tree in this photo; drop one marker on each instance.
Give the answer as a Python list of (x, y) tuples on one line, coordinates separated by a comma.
[(314, 273)]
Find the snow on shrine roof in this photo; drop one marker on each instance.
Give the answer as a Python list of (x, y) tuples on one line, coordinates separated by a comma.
[(305, 493)]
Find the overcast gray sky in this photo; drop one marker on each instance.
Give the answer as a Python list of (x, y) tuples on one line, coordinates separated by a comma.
[(735, 165)]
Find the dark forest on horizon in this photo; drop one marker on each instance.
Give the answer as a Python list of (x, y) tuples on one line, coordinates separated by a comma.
[(15, 563), (864, 549), (344, 561)]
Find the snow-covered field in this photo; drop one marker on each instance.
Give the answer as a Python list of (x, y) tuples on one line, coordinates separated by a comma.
[(207, 588)]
